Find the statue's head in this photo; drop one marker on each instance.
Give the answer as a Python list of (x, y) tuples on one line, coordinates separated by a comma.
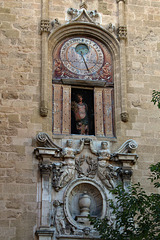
[(69, 143), (104, 145)]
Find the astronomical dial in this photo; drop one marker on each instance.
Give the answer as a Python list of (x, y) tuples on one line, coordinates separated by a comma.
[(82, 56)]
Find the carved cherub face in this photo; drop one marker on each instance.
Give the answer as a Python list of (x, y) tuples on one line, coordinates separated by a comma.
[(104, 145), (69, 143)]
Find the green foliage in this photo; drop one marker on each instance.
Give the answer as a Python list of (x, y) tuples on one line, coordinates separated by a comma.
[(155, 174), (136, 214), (156, 98)]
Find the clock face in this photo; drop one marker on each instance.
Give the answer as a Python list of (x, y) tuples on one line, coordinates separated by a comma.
[(82, 56)]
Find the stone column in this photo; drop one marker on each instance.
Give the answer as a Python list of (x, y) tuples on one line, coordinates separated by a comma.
[(46, 194), (122, 34), (44, 28)]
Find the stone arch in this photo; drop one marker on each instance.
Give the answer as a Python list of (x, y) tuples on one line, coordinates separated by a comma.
[(89, 30), (75, 29)]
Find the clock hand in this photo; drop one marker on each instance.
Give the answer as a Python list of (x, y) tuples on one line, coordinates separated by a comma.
[(84, 61)]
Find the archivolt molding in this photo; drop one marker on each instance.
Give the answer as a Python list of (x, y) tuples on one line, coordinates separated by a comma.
[(74, 29)]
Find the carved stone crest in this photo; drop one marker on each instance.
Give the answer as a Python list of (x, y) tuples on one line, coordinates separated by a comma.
[(81, 163)]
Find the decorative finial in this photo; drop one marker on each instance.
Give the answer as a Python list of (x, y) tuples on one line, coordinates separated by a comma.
[(83, 5)]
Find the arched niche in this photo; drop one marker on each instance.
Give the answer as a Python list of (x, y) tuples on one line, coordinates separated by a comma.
[(76, 29)]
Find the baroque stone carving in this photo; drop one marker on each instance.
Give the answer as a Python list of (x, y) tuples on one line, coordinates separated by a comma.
[(59, 218), (128, 147), (122, 32), (92, 166), (45, 25), (103, 153), (126, 173), (66, 170), (107, 173), (83, 196), (45, 168), (44, 140)]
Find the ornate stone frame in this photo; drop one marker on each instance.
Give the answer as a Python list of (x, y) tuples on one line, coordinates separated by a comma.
[(74, 29), (72, 186)]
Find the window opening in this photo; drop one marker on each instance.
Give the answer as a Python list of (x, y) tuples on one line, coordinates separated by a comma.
[(82, 111)]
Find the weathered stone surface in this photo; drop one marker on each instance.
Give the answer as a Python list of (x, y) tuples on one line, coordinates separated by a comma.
[(20, 74)]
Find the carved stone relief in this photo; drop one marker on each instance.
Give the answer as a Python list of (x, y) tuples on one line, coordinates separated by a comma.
[(83, 15), (77, 178)]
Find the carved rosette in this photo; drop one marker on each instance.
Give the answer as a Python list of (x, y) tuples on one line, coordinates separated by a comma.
[(45, 25), (122, 32)]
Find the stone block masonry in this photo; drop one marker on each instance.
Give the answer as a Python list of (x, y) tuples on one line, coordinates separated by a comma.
[(20, 121)]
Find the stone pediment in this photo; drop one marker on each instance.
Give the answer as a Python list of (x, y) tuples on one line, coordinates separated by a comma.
[(83, 15)]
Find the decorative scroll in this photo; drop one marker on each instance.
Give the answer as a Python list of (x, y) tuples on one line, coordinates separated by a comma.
[(128, 147), (44, 140)]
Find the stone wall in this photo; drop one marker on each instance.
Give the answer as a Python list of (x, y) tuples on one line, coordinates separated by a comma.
[(20, 121)]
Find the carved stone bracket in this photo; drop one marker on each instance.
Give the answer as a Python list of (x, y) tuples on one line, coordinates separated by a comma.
[(122, 32), (45, 25), (126, 173), (125, 154), (45, 168)]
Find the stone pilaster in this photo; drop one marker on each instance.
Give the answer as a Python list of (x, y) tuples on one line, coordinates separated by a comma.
[(45, 170), (44, 28), (122, 35)]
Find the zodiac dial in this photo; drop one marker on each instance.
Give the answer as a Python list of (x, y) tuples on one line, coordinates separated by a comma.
[(82, 56)]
